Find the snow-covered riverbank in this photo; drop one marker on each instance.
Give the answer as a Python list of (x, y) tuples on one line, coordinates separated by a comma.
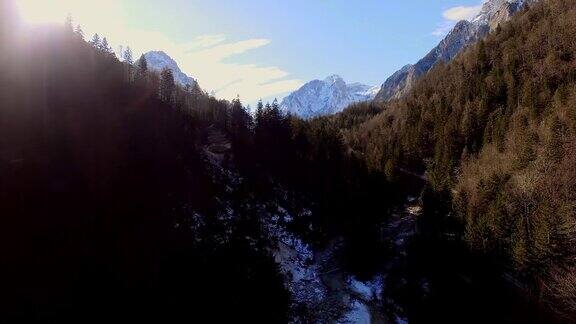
[(321, 291), (317, 282)]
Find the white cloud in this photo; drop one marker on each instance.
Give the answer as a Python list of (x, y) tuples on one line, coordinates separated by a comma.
[(208, 58), (453, 15), (251, 81), (227, 50), (205, 41), (461, 13)]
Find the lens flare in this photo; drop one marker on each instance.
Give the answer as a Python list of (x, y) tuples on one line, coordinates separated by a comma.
[(42, 12)]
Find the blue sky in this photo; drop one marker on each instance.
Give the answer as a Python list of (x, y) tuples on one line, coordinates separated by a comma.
[(259, 48)]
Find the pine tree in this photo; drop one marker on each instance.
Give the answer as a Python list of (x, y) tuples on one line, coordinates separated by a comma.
[(105, 47), (482, 57), (142, 64), (128, 64), (142, 69), (275, 105), (95, 41), (79, 32), (275, 115), (259, 113), (240, 126), (167, 85), (127, 56)]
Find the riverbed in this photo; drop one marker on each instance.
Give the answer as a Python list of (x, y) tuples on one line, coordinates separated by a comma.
[(416, 282)]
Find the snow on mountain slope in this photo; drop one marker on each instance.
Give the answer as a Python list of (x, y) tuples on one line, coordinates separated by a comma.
[(493, 13), (158, 60), (325, 97)]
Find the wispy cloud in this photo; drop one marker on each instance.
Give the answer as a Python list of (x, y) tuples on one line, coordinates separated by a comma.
[(461, 13), (213, 69), (208, 58), (227, 50), (206, 41), (453, 15)]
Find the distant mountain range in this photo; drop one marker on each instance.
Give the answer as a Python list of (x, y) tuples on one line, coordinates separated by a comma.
[(493, 13), (326, 97), (158, 60), (332, 95)]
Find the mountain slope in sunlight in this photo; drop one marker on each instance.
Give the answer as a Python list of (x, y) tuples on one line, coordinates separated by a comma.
[(493, 13), (326, 97), (494, 131), (158, 60)]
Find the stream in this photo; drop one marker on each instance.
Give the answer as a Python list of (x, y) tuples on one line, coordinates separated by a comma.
[(329, 294), (417, 282)]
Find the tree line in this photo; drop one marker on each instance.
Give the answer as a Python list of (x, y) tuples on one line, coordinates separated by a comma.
[(110, 205), (494, 133)]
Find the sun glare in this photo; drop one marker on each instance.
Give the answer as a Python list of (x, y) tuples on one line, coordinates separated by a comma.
[(41, 12)]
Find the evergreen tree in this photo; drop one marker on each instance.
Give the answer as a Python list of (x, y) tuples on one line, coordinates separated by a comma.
[(239, 118), (259, 113), (129, 62), (276, 106), (79, 32), (167, 85), (95, 42), (142, 68), (105, 47), (240, 125), (127, 56), (482, 57), (142, 64)]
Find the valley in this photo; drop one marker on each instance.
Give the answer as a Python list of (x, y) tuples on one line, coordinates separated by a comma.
[(446, 195)]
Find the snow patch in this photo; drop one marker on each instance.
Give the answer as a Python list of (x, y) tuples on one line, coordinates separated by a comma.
[(400, 320), (367, 291), (359, 314), (295, 259)]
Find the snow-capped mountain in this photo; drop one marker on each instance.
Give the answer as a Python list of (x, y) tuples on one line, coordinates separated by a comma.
[(325, 97), (158, 60), (493, 13)]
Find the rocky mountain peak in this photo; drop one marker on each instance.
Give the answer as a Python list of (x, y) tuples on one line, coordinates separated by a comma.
[(159, 60), (325, 97), (464, 33)]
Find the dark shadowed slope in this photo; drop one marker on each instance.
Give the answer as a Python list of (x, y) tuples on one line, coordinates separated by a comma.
[(98, 181)]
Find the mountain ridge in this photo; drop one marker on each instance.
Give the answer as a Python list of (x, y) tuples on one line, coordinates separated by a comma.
[(326, 97), (159, 60), (464, 33)]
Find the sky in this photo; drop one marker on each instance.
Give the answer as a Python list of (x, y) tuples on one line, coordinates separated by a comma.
[(263, 48)]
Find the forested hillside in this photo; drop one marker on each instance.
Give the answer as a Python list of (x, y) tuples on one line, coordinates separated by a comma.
[(101, 168), (495, 133), (124, 193)]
